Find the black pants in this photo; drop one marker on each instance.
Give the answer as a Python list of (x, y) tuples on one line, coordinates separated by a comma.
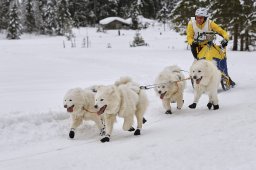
[(194, 50)]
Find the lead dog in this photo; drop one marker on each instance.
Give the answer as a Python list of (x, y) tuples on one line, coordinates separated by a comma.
[(170, 87), (80, 104), (206, 78), (124, 99)]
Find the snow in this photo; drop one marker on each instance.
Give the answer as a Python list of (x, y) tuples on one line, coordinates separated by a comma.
[(36, 72), (111, 19)]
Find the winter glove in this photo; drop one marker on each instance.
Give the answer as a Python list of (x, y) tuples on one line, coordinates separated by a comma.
[(224, 43), (194, 44)]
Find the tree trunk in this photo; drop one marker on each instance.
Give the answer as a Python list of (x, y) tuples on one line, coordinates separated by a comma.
[(247, 39), (235, 37), (242, 42)]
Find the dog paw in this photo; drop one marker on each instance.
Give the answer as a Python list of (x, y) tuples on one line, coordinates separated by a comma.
[(168, 112), (209, 105), (144, 120), (131, 129), (137, 132), (71, 134), (215, 107), (192, 106), (105, 139)]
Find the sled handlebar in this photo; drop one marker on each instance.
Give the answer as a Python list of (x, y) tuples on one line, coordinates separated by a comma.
[(210, 36)]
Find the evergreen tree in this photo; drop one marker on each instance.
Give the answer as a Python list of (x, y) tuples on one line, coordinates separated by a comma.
[(227, 14), (4, 11), (64, 20), (163, 14), (148, 9), (29, 22), (171, 4), (78, 10), (50, 22), (134, 13), (182, 13), (123, 8), (106, 8), (14, 27), (248, 25), (40, 9)]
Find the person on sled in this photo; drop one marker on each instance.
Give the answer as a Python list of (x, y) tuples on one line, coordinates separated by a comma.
[(199, 24)]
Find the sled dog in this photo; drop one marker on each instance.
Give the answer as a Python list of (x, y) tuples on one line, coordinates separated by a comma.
[(170, 85), (80, 104), (125, 99), (206, 78)]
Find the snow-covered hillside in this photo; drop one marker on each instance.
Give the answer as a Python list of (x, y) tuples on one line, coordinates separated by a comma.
[(36, 72)]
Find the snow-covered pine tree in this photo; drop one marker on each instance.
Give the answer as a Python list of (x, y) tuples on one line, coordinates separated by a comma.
[(148, 8), (64, 20), (77, 9), (171, 4), (4, 11), (29, 20), (50, 22), (248, 25), (14, 27), (105, 8), (123, 9), (40, 8), (138, 40), (227, 14), (135, 11), (162, 15)]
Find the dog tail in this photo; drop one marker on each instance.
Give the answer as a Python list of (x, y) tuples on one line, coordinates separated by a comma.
[(123, 80)]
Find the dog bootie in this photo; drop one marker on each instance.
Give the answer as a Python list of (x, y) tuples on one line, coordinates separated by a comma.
[(105, 139), (144, 120), (137, 132), (131, 129), (71, 134), (168, 112), (192, 106), (215, 107), (209, 105)]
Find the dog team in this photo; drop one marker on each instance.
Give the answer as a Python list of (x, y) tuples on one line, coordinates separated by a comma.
[(127, 99)]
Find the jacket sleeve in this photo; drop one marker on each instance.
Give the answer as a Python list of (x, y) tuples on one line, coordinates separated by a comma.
[(219, 30), (190, 33)]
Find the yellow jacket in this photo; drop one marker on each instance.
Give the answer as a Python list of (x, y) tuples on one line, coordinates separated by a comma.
[(212, 26)]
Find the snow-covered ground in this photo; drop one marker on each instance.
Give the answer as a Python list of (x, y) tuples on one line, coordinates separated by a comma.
[(36, 72)]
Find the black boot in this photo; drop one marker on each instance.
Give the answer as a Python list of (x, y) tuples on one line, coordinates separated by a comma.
[(209, 105), (137, 132), (168, 112), (144, 120), (105, 139), (216, 107), (131, 129), (192, 106)]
